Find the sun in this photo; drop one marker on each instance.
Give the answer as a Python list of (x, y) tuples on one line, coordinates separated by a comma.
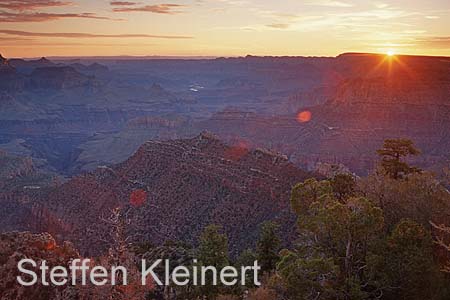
[(390, 53)]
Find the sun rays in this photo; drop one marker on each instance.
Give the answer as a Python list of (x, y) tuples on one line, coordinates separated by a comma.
[(390, 53), (392, 62)]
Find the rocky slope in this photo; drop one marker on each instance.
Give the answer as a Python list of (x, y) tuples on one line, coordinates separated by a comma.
[(172, 190), (21, 178)]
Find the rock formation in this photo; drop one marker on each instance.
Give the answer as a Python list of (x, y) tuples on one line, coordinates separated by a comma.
[(173, 190)]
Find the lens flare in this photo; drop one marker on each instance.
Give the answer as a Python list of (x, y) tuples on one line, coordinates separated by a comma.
[(138, 197), (304, 116), (239, 149)]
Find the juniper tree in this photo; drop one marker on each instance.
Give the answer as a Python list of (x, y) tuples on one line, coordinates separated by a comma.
[(337, 239)]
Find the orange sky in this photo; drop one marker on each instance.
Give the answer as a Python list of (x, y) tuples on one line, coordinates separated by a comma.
[(222, 27)]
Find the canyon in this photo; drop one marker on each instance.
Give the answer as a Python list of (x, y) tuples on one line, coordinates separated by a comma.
[(182, 143), (170, 190)]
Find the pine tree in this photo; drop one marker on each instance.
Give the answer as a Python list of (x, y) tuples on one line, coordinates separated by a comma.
[(392, 153)]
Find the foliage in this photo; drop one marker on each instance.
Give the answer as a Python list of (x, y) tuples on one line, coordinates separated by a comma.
[(213, 248), (345, 251), (392, 153), (267, 247), (247, 258), (212, 251), (420, 198), (307, 277), (443, 232), (305, 193), (347, 233), (406, 267), (344, 186)]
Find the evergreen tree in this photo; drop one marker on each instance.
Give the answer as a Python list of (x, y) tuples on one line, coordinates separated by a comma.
[(268, 246), (213, 248), (305, 193), (344, 186), (392, 153), (307, 276), (406, 267), (212, 251), (247, 258), (338, 238)]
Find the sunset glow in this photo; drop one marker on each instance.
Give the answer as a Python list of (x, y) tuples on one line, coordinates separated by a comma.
[(223, 28)]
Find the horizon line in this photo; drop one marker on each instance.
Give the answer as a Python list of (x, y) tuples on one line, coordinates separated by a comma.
[(200, 57)]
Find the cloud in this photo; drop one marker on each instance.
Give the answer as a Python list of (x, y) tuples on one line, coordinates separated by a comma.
[(166, 8), (278, 26), (87, 35), (329, 3), (9, 17), (35, 43), (14, 11), (380, 5), (440, 42), (122, 3), (13, 39), (23, 5)]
